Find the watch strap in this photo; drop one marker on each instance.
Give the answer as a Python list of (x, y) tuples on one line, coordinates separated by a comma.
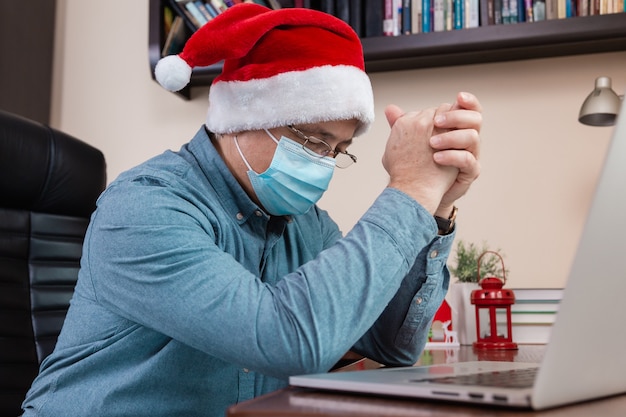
[(446, 226)]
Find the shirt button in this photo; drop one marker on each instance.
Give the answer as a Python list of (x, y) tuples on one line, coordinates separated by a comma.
[(258, 213), (246, 370), (418, 300), (434, 253), (239, 216)]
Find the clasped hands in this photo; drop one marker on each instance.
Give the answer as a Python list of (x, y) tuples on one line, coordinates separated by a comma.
[(433, 154)]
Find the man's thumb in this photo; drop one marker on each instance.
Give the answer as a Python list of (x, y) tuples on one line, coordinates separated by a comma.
[(393, 112)]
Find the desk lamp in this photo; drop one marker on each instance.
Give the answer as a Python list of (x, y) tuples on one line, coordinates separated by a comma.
[(601, 106)]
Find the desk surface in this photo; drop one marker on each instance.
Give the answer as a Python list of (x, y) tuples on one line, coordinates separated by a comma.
[(308, 402)]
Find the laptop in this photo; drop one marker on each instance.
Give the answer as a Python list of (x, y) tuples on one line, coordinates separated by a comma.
[(585, 357)]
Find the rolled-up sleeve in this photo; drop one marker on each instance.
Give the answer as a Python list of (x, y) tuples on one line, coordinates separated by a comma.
[(398, 337), (399, 334)]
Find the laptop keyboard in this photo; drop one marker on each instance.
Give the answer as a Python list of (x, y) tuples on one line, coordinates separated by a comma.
[(517, 378)]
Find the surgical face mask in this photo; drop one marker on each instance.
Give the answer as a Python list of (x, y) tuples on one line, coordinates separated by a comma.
[(294, 181)]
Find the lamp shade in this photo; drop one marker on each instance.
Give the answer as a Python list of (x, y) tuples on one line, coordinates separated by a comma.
[(601, 107)]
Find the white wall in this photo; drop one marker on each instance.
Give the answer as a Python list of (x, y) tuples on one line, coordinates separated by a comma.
[(539, 164)]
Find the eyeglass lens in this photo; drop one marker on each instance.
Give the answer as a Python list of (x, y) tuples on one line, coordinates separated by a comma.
[(319, 148)]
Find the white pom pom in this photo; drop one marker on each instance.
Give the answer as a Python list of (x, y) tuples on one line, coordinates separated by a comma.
[(172, 72)]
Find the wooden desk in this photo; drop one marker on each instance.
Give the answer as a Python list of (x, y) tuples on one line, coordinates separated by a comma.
[(303, 402)]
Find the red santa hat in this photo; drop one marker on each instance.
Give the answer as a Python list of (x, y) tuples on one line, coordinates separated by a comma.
[(281, 67)]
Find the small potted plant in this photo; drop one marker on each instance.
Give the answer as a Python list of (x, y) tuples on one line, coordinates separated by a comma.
[(465, 270)]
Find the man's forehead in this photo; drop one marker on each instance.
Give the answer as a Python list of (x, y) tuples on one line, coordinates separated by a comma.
[(341, 129)]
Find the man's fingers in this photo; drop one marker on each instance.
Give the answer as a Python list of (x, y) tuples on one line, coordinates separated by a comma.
[(459, 119), (468, 101), (464, 161), (464, 139)]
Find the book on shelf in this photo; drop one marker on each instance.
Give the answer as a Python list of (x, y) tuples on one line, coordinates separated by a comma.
[(199, 18), (342, 10), (531, 333), (497, 12), (181, 10), (472, 14), (504, 11), (374, 17), (486, 12), (328, 6), (416, 16), (427, 12), (551, 9), (209, 8), (388, 27), (396, 17), (274, 4), (438, 15), (535, 307), (527, 317), (561, 9), (458, 12), (407, 16), (168, 19), (528, 10), (302, 3), (356, 16), (199, 8), (176, 38), (533, 314), (219, 5), (538, 294), (513, 11), (534, 317)]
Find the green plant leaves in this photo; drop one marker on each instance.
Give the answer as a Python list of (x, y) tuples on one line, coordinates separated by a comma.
[(466, 268)]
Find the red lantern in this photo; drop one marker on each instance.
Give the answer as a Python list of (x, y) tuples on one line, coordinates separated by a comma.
[(493, 303)]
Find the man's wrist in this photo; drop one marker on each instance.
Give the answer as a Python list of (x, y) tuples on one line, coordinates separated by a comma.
[(446, 224), (424, 198)]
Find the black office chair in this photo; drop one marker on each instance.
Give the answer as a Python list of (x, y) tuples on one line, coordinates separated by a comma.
[(49, 183)]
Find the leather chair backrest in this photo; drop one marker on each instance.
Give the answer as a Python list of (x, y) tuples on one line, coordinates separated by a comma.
[(49, 183)]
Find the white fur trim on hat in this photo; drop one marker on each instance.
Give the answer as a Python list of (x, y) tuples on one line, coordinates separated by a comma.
[(318, 94)]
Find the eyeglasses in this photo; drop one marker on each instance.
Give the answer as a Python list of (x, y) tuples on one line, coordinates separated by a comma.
[(318, 148)]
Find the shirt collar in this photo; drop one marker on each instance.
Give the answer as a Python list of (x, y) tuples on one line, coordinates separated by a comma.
[(229, 192)]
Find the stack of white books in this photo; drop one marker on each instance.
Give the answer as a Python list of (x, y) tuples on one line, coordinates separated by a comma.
[(533, 314)]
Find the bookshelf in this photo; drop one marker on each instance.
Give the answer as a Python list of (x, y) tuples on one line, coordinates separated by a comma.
[(493, 43)]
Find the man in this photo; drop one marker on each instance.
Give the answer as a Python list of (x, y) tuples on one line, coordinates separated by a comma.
[(209, 276)]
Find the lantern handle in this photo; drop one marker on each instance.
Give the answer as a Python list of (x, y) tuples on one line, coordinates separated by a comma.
[(501, 260)]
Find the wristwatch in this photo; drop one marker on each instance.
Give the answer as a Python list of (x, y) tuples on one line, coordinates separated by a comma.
[(446, 226)]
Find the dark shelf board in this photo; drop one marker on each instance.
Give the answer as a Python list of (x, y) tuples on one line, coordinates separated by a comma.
[(497, 43)]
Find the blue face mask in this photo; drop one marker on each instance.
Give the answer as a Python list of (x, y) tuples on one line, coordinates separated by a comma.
[(294, 181)]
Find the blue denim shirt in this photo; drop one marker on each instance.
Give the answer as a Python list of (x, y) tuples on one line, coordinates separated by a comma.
[(190, 298)]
